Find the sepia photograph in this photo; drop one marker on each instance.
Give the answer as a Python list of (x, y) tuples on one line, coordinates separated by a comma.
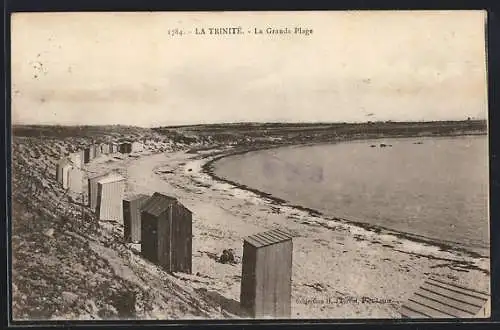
[(249, 165)]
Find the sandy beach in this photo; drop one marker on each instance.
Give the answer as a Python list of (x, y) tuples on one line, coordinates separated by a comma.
[(340, 270)]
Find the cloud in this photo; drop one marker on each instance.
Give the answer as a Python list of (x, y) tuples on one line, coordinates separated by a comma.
[(125, 68), (117, 94)]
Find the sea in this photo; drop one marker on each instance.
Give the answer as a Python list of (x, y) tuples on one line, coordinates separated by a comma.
[(432, 187)]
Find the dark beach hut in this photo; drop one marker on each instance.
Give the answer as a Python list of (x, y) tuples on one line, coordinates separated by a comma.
[(166, 233), (132, 217), (86, 155), (266, 280)]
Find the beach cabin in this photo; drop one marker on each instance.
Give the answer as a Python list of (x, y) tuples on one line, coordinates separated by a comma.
[(89, 154), (76, 158), (97, 150), (132, 217), (266, 279), (115, 148), (110, 191), (92, 189), (126, 147), (111, 148), (137, 146), (438, 298), (75, 180), (105, 148), (62, 168), (81, 152), (166, 233)]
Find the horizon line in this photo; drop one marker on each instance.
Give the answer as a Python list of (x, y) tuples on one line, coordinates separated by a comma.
[(255, 123)]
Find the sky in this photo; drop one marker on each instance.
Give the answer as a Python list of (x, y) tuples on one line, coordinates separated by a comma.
[(125, 68)]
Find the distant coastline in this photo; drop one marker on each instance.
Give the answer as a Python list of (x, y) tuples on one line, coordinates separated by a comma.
[(218, 141)]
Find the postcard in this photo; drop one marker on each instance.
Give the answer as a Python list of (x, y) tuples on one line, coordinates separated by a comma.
[(249, 165)]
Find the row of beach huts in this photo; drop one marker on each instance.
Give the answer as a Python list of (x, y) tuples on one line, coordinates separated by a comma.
[(69, 172), (163, 227), (140, 215)]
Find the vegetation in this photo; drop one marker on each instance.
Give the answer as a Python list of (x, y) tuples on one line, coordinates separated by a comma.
[(253, 134)]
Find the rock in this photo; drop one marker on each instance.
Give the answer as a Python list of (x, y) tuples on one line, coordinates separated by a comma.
[(69, 297), (107, 312), (49, 232), (227, 257), (91, 306)]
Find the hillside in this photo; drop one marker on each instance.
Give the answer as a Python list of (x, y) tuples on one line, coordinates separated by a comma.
[(251, 134), (58, 266)]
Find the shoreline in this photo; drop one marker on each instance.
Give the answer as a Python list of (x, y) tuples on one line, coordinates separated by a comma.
[(208, 168)]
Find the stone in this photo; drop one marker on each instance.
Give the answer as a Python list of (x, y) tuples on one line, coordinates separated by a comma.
[(49, 232), (227, 257), (69, 297)]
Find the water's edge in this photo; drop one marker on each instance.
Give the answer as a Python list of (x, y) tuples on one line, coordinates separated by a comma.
[(444, 245)]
